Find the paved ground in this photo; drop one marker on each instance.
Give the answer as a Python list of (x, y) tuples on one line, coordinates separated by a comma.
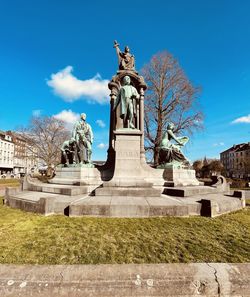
[(200, 279)]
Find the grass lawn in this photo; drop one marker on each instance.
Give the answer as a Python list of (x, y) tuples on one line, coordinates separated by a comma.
[(9, 182), (35, 239)]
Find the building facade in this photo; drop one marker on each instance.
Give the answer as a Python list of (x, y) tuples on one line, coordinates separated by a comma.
[(236, 161), (16, 157), (24, 157), (19, 154), (6, 154)]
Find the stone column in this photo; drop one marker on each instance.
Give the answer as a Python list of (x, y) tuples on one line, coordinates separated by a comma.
[(111, 125), (111, 151), (142, 150)]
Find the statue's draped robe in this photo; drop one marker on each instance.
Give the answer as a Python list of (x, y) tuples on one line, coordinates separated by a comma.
[(170, 152), (127, 61)]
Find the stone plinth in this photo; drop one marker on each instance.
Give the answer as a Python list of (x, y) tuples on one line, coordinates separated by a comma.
[(180, 176), (129, 175), (128, 171), (77, 176), (127, 158)]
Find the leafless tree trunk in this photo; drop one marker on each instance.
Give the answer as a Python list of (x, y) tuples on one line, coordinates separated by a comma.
[(170, 98)]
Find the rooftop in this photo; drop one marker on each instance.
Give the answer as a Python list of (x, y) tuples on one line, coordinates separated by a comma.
[(238, 147)]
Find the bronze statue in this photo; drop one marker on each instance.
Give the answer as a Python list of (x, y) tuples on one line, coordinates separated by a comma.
[(68, 152), (170, 153), (127, 97), (83, 135), (125, 59)]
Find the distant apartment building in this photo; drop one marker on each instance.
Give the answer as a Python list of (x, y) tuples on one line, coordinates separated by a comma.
[(24, 157), (19, 153), (6, 153), (16, 156), (236, 161)]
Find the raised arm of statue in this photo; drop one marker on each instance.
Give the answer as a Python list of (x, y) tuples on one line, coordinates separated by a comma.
[(118, 51)]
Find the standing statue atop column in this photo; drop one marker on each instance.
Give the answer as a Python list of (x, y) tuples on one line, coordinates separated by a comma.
[(126, 60), (83, 135), (127, 97)]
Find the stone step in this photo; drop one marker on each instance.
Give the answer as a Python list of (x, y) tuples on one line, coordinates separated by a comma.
[(131, 207), (127, 183), (59, 189), (169, 184), (189, 191), (75, 182), (128, 191)]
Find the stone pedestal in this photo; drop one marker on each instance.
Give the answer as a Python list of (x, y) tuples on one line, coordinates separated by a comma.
[(80, 176), (128, 171), (129, 176), (180, 176)]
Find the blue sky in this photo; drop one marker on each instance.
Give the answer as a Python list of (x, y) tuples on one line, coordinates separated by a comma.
[(52, 51)]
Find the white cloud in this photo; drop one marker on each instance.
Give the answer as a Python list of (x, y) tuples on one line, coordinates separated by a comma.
[(101, 123), (245, 119), (70, 88), (102, 146), (67, 116), (219, 144), (36, 112)]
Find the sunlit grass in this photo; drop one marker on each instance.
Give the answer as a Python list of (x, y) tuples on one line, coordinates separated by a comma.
[(35, 239), (9, 182)]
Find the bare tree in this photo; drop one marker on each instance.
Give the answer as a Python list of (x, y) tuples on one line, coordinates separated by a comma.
[(197, 166), (208, 167), (44, 137), (215, 166), (170, 98)]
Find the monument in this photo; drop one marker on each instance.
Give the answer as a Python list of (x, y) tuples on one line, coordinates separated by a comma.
[(125, 186)]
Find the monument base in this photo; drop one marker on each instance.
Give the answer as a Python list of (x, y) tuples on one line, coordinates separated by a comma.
[(95, 200), (79, 176), (180, 176), (129, 175)]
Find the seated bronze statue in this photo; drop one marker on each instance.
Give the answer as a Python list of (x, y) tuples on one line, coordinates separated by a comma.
[(68, 152), (170, 153)]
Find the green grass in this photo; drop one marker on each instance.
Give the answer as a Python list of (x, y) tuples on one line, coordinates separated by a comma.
[(239, 187), (35, 239), (9, 182)]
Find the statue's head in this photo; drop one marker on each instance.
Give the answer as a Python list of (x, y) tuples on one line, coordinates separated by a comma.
[(170, 126), (83, 116), (72, 140), (126, 80), (127, 50)]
